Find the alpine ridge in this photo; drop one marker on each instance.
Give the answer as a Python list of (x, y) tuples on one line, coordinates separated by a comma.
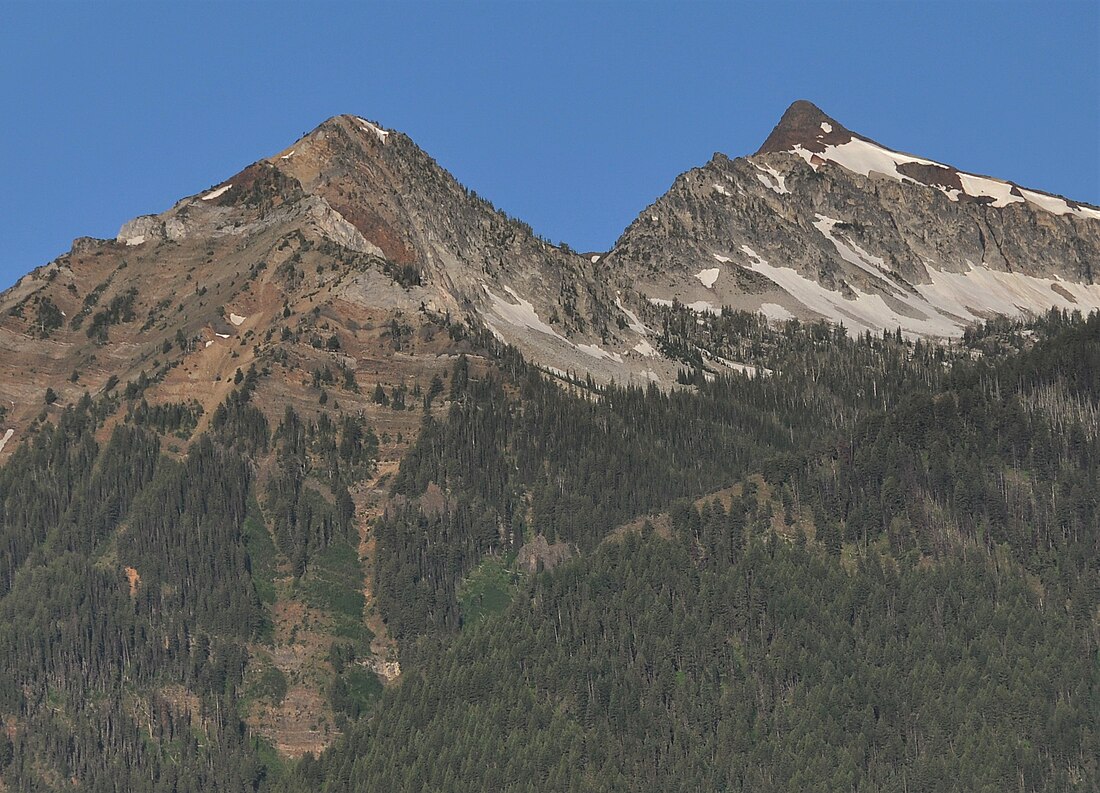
[(824, 223), (354, 227)]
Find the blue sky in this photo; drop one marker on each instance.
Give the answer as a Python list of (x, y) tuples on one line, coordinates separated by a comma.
[(571, 116)]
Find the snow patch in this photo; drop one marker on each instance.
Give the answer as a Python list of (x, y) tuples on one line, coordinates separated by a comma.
[(703, 307), (237, 319), (772, 179), (699, 306), (720, 189), (708, 277), (743, 368), (222, 335), (848, 250), (980, 186), (775, 312), (521, 313), (940, 308), (209, 342), (826, 127), (595, 258), (634, 323), (288, 156), (598, 352), (859, 156), (1005, 293), (865, 158), (753, 255), (369, 127), (722, 259), (1056, 206), (1059, 206), (7, 437), (216, 193)]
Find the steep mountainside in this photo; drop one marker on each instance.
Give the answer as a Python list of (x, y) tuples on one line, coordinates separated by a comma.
[(822, 222), (355, 233)]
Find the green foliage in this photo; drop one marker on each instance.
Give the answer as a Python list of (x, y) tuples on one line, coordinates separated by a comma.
[(406, 275), (269, 682), (119, 309), (49, 317), (488, 589), (41, 484), (937, 631), (261, 553), (779, 672), (86, 652), (239, 422), (308, 496), (91, 300), (335, 580), (178, 418), (353, 692)]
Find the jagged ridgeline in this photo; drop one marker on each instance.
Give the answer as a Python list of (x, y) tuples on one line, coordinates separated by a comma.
[(870, 564)]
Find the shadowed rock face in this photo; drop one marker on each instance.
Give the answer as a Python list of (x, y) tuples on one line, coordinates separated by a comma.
[(801, 125)]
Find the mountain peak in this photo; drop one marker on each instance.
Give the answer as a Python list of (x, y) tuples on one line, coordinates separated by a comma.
[(351, 122), (804, 123)]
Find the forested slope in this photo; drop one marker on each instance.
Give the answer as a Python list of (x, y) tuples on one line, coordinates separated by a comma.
[(899, 592)]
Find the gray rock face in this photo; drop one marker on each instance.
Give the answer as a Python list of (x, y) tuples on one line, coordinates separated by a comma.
[(473, 262), (146, 228), (822, 222)]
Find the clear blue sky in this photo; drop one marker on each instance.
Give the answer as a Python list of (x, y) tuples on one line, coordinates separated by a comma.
[(572, 116)]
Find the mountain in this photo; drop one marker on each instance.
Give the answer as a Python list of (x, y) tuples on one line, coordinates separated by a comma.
[(334, 477), (353, 233), (824, 223), (354, 224)]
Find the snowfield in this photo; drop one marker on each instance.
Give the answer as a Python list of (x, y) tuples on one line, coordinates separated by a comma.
[(772, 179), (940, 308), (521, 313), (216, 193), (376, 130), (862, 157), (708, 277)]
